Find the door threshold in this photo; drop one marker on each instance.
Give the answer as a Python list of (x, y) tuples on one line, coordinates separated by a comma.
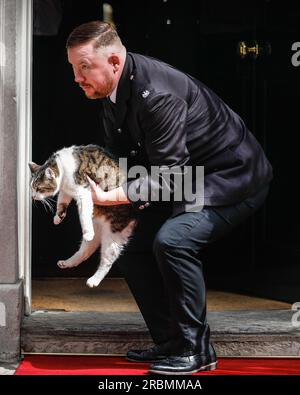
[(234, 333)]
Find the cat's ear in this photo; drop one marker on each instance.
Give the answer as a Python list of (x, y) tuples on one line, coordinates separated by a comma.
[(49, 173), (33, 167)]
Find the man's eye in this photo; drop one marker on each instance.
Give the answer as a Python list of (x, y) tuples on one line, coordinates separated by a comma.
[(84, 67)]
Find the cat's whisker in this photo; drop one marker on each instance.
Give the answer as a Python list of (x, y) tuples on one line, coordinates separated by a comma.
[(51, 208), (45, 206), (48, 204)]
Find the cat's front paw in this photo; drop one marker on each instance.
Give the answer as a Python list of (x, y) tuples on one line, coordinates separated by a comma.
[(88, 236), (93, 282), (57, 220)]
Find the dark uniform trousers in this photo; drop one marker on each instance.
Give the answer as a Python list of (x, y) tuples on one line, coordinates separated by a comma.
[(167, 282)]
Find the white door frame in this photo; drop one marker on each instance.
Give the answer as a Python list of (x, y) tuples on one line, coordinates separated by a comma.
[(24, 124)]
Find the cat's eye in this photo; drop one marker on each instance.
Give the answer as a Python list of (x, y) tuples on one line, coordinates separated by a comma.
[(43, 190)]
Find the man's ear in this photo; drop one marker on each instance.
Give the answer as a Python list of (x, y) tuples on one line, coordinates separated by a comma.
[(115, 61), (33, 167), (49, 173)]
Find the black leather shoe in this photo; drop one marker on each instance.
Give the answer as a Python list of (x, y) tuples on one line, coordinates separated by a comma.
[(186, 364), (153, 354)]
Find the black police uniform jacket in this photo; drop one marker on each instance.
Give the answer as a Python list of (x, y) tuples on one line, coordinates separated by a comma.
[(164, 117)]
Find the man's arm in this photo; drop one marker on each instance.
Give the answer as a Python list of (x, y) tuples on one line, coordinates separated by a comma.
[(109, 198)]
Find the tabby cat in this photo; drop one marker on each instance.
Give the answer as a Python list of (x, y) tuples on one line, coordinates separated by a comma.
[(107, 226)]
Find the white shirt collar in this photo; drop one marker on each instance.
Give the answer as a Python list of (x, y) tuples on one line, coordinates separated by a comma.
[(113, 95)]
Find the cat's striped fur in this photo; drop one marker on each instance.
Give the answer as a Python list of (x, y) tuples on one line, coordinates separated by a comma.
[(107, 226)]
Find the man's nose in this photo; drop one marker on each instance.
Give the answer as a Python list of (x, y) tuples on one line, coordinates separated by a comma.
[(78, 77)]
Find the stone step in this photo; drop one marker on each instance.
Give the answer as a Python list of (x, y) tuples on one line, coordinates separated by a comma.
[(234, 333)]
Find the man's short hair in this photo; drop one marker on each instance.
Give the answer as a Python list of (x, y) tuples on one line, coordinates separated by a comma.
[(103, 34)]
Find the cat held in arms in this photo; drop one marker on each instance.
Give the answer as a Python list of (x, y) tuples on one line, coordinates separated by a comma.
[(108, 227)]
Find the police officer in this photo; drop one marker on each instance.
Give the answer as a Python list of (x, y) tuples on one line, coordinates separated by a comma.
[(159, 116)]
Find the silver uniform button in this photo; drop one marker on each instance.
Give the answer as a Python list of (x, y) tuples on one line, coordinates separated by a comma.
[(119, 130), (141, 207), (133, 153), (145, 94), (146, 204)]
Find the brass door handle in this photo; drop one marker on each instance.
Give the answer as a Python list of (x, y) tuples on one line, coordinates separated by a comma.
[(254, 50)]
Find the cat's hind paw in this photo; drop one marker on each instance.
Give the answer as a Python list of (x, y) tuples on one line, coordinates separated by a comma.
[(93, 281), (88, 236), (63, 265)]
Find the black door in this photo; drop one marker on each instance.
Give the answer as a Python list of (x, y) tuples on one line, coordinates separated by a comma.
[(243, 51), (248, 56), (276, 266)]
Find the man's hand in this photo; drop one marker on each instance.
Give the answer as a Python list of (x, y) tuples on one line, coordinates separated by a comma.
[(98, 195), (102, 198)]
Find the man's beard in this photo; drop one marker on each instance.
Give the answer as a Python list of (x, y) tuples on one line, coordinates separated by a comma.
[(104, 91)]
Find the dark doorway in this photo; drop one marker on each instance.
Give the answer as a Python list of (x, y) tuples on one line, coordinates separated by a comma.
[(242, 50)]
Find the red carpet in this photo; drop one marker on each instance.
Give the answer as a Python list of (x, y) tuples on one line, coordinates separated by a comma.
[(92, 365)]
